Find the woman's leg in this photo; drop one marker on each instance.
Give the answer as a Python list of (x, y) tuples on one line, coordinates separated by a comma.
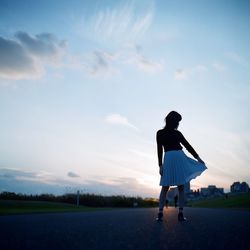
[(181, 203), (162, 198), (181, 197)]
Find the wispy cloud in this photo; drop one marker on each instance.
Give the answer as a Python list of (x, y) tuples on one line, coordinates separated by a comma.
[(99, 63), (149, 156), (28, 175), (235, 57), (191, 72), (31, 182), (136, 57), (27, 181), (147, 65), (219, 66), (12, 173), (122, 185), (186, 74), (116, 24), (25, 56), (181, 74), (72, 174), (118, 119)]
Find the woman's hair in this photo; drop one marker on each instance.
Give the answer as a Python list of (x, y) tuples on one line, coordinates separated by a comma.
[(172, 120)]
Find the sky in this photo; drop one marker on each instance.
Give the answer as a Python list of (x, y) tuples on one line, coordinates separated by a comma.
[(85, 85)]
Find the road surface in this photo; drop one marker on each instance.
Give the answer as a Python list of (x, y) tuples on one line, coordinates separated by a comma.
[(127, 229)]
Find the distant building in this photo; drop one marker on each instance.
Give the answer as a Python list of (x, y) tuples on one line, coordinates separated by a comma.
[(212, 191), (235, 187), (239, 187)]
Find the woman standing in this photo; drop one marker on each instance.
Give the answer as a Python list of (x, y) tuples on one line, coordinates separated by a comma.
[(177, 168)]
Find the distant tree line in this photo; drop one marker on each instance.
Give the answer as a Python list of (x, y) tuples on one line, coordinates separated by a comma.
[(91, 200)]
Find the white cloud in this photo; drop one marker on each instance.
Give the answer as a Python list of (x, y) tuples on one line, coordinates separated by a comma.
[(117, 119), (16, 63), (44, 46), (25, 56)]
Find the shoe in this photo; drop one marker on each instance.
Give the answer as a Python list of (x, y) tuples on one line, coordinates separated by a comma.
[(160, 216), (181, 217)]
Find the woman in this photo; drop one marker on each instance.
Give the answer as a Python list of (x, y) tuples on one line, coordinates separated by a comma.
[(177, 168)]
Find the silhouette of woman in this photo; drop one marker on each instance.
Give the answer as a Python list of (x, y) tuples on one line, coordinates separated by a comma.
[(177, 168)]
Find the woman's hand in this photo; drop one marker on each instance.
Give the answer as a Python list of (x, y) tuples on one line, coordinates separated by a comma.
[(200, 160), (161, 170)]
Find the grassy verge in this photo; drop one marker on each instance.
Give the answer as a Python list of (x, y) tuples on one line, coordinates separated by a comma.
[(22, 207), (239, 201)]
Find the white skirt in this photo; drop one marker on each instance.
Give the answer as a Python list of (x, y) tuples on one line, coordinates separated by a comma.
[(179, 169)]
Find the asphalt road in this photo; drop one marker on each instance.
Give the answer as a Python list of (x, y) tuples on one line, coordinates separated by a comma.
[(127, 229)]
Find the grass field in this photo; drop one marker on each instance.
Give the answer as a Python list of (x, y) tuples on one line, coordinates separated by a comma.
[(235, 201), (239, 201), (22, 207)]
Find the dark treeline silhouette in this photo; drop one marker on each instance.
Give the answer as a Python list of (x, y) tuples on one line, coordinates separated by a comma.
[(91, 200)]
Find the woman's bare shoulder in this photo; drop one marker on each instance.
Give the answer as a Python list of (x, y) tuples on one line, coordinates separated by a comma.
[(160, 132)]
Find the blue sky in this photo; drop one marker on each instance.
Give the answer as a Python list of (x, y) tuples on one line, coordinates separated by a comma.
[(85, 85)]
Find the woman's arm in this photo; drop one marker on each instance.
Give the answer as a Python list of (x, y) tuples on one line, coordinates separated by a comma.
[(160, 152), (189, 148), (159, 148), (186, 144), (200, 160)]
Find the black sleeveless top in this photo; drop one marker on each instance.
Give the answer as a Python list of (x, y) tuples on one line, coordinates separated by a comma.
[(172, 139)]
